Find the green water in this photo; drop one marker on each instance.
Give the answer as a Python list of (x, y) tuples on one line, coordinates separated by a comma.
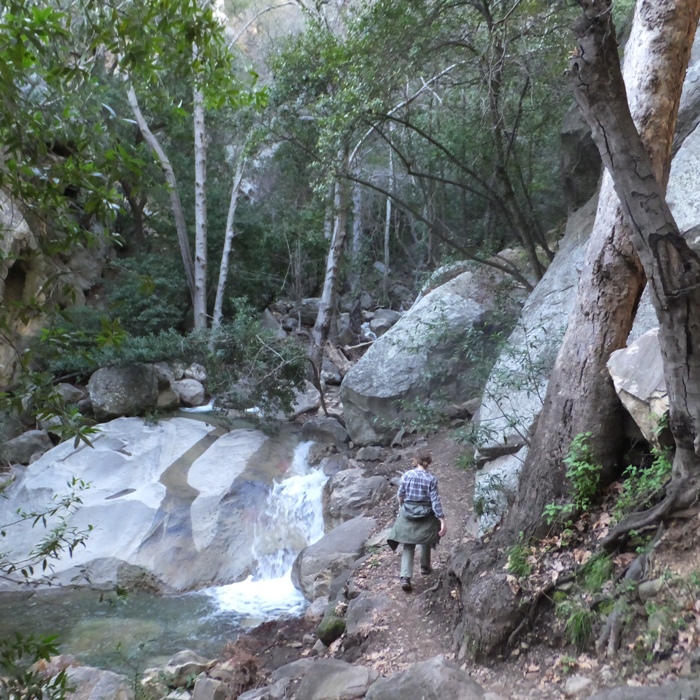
[(124, 635)]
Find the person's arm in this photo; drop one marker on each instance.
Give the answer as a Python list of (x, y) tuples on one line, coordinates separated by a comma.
[(400, 495), (437, 507)]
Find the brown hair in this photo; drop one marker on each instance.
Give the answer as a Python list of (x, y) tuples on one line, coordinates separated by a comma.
[(423, 457)]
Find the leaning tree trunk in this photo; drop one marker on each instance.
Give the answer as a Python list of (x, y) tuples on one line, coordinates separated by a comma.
[(580, 395), (169, 174), (326, 310), (671, 267)]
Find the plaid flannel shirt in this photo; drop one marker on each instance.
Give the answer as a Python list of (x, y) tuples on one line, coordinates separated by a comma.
[(421, 486)]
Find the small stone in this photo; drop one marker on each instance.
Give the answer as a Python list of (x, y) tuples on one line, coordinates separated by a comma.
[(649, 589), (577, 686), (319, 647)]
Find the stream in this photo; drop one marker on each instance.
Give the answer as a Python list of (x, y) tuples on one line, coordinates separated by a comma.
[(145, 630)]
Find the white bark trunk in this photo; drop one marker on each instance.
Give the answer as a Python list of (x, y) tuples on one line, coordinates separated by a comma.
[(169, 174), (228, 240), (200, 210), (322, 326), (356, 235), (387, 225)]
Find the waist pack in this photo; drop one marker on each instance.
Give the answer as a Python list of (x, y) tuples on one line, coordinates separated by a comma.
[(412, 510)]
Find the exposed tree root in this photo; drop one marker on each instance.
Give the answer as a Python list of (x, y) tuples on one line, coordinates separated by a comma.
[(681, 493)]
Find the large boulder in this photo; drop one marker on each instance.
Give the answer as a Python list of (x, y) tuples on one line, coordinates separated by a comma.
[(677, 690), (332, 679), (422, 357), (21, 449), (123, 391), (435, 679), (324, 429), (95, 684), (349, 493), (513, 395), (317, 565), (172, 505)]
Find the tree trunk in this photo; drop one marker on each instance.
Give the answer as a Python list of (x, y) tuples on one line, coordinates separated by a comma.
[(580, 396), (200, 209), (228, 240), (169, 173), (671, 267), (326, 311), (387, 227), (356, 247)]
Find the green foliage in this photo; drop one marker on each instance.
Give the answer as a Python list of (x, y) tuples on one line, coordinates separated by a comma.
[(579, 623), (596, 572), (19, 678), (518, 555), (584, 475), (643, 484)]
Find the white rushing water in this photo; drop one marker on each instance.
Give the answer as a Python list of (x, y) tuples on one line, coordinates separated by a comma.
[(292, 520)]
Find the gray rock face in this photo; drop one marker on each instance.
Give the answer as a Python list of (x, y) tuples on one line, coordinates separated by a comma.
[(638, 374), (166, 502), (69, 393), (316, 566), (435, 679), (331, 679), (21, 449), (308, 400), (496, 487), (383, 320), (515, 390), (96, 684), (123, 391), (330, 373), (348, 494), (184, 664), (420, 358), (326, 430), (680, 690), (581, 164), (365, 612)]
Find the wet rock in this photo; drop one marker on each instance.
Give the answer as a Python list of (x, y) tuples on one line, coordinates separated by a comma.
[(123, 391), (330, 679), (142, 474), (317, 565), (318, 452), (183, 666), (95, 684), (21, 449), (435, 679)]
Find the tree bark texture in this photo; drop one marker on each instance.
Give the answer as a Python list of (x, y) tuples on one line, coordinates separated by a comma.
[(326, 310), (169, 174), (200, 209), (671, 267), (228, 242), (580, 396)]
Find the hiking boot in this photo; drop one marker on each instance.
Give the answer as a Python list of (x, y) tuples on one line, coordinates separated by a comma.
[(406, 584), (426, 570)]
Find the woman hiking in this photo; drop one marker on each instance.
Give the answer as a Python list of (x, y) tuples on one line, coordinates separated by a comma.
[(421, 518)]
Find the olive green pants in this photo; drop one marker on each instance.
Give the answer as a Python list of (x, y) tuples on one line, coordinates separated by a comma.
[(407, 558)]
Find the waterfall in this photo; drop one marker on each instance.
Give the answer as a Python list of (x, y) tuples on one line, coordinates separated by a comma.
[(292, 520)]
